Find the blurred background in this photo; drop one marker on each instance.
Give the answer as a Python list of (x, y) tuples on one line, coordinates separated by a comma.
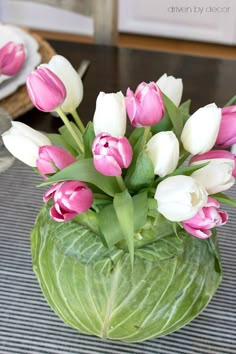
[(206, 27)]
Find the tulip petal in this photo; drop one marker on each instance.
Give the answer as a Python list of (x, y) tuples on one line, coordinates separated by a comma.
[(201, 129), (63, 69), (198, 233), (107, 165)]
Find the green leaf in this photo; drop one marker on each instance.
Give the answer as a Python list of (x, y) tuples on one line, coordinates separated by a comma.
[(164, 248), (135, 135), (225, 199), (112, 231), (184, 110), (68, 137), (140, 203), (84, 170), (88, 138), (137, 148), (175, 116), (185, 107), (57, 139), (109, 226), (124, 210), (164, 125), (142, 174)]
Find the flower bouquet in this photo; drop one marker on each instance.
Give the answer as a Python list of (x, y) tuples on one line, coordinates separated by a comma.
[(125, 246)]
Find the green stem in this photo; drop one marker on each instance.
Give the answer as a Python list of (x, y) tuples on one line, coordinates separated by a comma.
[(70, 129), (145, 134), (231, 102), (78, 121), (121, 183)]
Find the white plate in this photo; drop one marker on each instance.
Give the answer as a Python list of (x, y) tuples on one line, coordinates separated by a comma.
[(33, 58)]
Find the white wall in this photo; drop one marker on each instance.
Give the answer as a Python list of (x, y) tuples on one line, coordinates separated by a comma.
[(204, 20), (44, 17)]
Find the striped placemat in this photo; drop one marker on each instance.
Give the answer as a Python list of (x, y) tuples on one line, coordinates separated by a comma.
[(28, 325)]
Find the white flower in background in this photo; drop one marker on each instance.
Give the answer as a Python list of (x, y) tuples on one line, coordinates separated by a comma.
[(201, 129), (180, 197), (110, 114), (171, 87), (62, 68), (216, 176), (23, 142), (163, 150)]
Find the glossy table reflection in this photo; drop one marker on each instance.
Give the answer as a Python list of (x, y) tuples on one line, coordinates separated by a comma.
[(27, 324)]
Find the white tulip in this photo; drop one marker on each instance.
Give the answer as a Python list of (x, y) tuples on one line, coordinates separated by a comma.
[(163, 150), (201, 129), (216, 176), (61, 67), (110, 114), (180, 197), (23, 142), (171, 87)]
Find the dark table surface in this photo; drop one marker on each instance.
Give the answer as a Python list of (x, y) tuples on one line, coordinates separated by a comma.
[(27, 324)]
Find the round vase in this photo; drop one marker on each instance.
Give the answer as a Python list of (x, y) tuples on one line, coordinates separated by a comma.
[(98, 292)]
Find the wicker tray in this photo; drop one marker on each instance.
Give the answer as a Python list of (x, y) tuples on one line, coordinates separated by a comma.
[(19, 103)]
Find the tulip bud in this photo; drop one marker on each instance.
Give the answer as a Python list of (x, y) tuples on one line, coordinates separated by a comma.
[(23, 142), (111, 154), (217, 176), (110, 114), (171, 87), (201, 129), (53, 158), (70, 198), (209, 216), (215, 154), (145, 107), (46, 91), (163, 150), (12, 57), (180, 197), (227, 133), (63, 69)]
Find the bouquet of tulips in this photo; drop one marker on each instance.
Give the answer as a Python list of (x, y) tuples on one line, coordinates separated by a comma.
[(125, 245)]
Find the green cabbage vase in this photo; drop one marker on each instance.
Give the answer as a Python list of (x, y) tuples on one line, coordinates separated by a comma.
[(95, 290)]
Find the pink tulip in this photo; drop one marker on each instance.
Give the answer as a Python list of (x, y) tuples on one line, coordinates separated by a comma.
[(111, 154), (145, 107), (70, 198), (215, 154), (12, 57), (208, 217), (46, 91), (227, 133), (52, 158)]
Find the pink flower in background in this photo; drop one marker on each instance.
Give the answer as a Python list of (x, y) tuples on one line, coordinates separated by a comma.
[(207, 218), (46, 91), (111, 154), (70, 198), (53, 158), (12, 57), (145, 107), (227, 133), (215, 154)]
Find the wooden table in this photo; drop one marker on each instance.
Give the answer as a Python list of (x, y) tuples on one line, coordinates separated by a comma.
[(27, 324)]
